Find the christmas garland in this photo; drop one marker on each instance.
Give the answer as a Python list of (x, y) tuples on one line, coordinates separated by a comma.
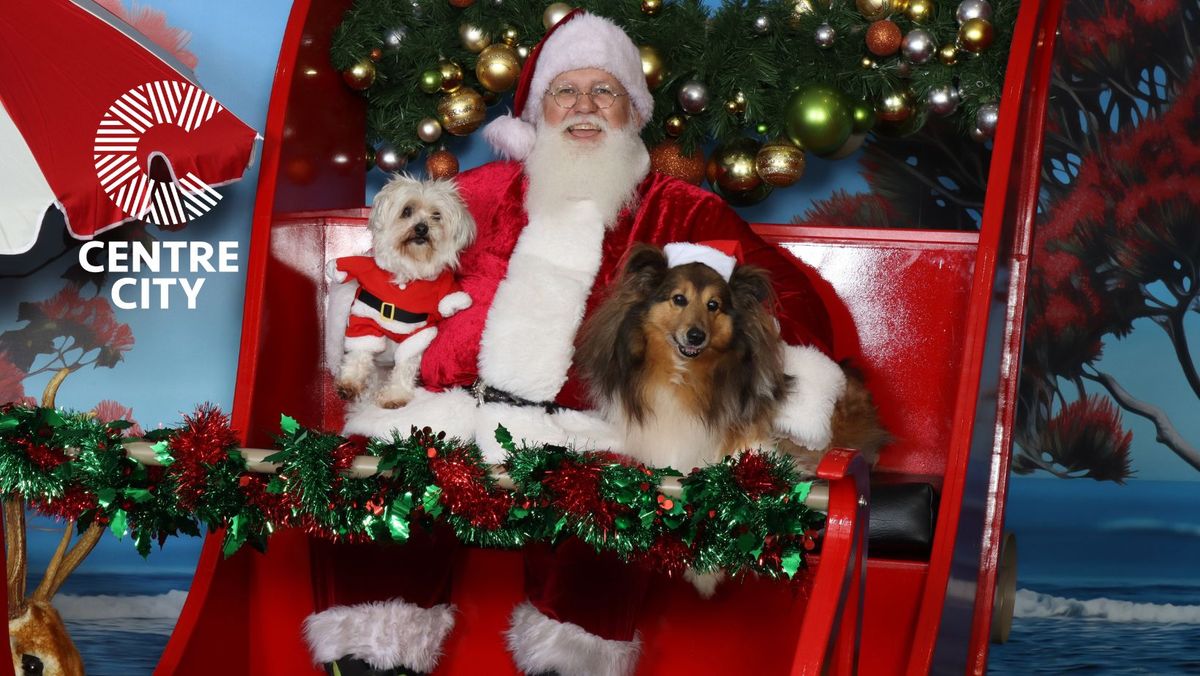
[(749, 68), (746, 514)]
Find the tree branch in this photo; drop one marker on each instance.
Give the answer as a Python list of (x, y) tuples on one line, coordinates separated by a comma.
[(1167, 434)]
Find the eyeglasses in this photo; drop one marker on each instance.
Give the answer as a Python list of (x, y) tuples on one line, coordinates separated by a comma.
[(566, 96)]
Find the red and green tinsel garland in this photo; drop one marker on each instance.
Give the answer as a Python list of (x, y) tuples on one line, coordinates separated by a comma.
[(746, 514)]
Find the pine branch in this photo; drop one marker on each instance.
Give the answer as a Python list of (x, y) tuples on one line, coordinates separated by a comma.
[(1167, 434)]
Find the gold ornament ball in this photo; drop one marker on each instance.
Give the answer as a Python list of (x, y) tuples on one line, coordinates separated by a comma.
[(652, 66), (920, 11), (874, 10), (462, 111), (779, 164), (976, 35), (441, 165), (452, 76), (674, 125), (867, 63), (474, 38), (360, 76), (732, 166), (509, 36), (736, 105), (555, 13), (895, 107), (523, 52), (431, 81), (883, 38), (499, 68), (668, 158), (802, 7), (652, 7), (369, 157), (429, 130), (948, 54)]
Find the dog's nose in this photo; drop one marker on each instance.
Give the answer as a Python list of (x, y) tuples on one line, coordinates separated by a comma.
[(421, 229), (695, 336)]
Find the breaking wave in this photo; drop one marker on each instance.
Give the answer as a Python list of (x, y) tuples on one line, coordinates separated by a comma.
[(1031, 604), (139, 614)]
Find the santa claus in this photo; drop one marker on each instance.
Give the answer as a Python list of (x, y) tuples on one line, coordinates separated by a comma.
[(554, 222)]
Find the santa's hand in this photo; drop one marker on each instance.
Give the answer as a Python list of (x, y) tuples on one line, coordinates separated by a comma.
[(334, 273), (455, 302)]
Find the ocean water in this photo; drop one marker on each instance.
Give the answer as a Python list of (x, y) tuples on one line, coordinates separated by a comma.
[(1108, 578)]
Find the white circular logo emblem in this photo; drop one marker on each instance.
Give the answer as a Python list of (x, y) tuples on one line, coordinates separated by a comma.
[(171, 202)]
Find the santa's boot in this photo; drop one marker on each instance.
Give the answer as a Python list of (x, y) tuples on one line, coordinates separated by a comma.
[(579, 619), (382, 609)]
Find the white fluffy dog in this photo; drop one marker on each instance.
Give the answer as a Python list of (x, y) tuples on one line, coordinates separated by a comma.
[(395, 296)]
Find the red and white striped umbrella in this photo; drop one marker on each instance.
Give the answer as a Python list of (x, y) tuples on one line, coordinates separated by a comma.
[(103, 124)]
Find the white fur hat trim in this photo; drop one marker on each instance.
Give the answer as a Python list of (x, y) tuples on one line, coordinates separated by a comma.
[(682, 253)]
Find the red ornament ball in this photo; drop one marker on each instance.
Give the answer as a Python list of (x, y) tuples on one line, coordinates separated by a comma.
[(668, 158), (883, 38), (376, 54), (461, 4)]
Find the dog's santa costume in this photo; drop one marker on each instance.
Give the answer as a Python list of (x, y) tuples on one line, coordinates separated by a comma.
[(533, 273), (384, 309)]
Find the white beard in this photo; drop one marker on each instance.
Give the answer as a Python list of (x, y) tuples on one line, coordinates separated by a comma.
[(562, 171)]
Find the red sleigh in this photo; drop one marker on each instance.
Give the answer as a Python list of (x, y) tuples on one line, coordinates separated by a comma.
[(935, 317)]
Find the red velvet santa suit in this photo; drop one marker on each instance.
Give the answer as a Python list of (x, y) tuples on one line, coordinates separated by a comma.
[(418, 297)]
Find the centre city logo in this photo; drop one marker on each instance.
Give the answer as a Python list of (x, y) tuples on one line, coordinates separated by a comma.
[(154, 196)]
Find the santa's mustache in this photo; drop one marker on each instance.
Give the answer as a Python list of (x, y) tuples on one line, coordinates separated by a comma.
[(586, 120)]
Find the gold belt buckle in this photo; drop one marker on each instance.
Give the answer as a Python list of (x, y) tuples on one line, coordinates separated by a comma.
[(387, 311)]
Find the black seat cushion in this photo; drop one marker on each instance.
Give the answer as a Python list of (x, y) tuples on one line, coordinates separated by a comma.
[(902, 520)]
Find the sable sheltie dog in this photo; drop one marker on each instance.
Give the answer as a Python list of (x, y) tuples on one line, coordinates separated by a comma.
[(691, 367)]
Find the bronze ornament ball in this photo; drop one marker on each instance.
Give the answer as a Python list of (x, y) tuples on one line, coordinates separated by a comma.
[(675, 125), (948, 54), (780, 164), (920, 11), (668, 158), (509, 36), (461, 4), (883, 38), (360, 76), (441, 165), (819, 119), (498, 68), (732, 166), (652, 66), (652, 7), (895, 107), (874, 10), (745, 198), (462, 111)]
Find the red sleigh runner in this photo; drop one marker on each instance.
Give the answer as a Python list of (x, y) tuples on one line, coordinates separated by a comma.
[(943, 372)]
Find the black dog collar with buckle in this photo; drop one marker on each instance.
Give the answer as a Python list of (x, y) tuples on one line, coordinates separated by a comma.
[(486, 394), (387, 310)]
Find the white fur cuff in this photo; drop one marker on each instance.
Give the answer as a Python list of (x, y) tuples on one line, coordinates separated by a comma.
[(817, 384), (539, 644), (511, 137), (386, 635)]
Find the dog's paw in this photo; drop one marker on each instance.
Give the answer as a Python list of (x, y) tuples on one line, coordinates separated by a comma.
[(349, 389), (394, 397), (455, 302)]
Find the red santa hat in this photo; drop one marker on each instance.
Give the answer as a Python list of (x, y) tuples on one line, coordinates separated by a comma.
[(720, 255), (579, 40)]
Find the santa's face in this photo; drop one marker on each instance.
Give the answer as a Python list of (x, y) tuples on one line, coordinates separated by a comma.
[(588, 119)]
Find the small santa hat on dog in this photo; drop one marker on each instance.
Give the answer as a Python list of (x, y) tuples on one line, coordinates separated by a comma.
[(579, 40), (721, 255)]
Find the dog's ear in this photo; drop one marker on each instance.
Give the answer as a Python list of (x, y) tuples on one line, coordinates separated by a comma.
[(645, 267), (751, 285)]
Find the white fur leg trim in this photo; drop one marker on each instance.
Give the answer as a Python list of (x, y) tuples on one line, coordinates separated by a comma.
[(818, 382), (452, 412), (385, 635), (538, 643), (337, 311), (581, 430), (511, 137)]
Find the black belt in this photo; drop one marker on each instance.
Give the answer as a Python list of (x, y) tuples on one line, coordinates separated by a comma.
[(486, 394), (388, 310)]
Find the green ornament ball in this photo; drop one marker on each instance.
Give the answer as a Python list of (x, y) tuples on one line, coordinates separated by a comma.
[(864, 117), (431, 81), (762, 128), (819, 119)]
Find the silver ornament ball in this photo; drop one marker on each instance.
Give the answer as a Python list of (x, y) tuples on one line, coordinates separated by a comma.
[(824, 36), (395, 37), (987, 118), (388, 159), (943, 100), (429, 130), (693, 97), (973, 9), (762, 24), (918, 46)]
